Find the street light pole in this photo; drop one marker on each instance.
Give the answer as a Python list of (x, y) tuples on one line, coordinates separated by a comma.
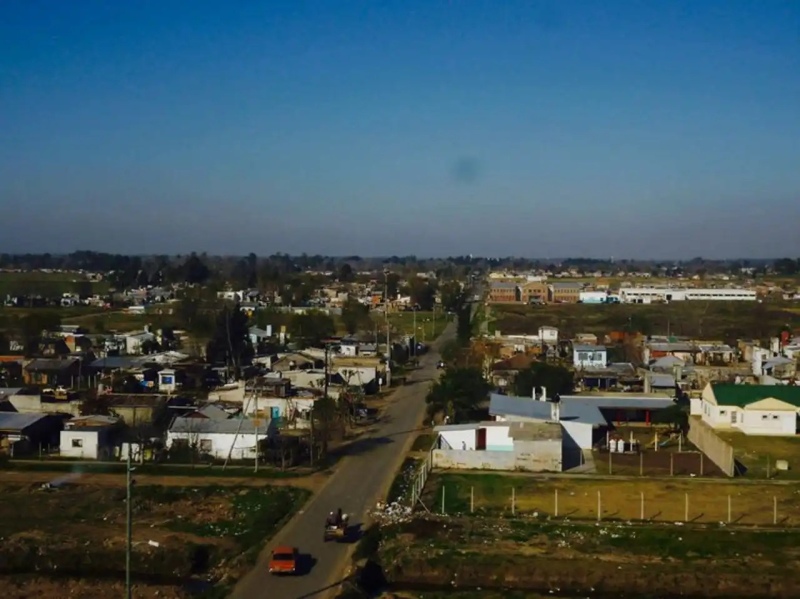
[(128, 525), (415, 331)]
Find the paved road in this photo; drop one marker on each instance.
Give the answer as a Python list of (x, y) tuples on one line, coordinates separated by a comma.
[(360, 481)]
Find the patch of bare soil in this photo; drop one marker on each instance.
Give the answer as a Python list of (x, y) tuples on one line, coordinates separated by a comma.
[(312, 482), (38, 588)]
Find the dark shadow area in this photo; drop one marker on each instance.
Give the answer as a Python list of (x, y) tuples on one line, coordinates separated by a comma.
[(353, 533), (359, 447), (739, 469), (305, 563)]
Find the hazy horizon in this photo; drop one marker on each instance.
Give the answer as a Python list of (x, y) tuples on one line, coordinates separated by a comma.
[(620, 128)]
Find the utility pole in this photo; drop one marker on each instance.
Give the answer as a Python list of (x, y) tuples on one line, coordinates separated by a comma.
[(414, 350), (386, 314), (128, 525), (256, 421)]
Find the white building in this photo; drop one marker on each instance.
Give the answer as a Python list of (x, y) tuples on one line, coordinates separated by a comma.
[(548, 335), (527, 446), (219, 438), (88, 438), (588, 357), (750, 409), (646, 295)]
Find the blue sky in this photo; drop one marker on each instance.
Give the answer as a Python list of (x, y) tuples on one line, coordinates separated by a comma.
[(434, 127)]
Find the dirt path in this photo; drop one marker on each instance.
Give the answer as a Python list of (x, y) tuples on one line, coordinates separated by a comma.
[(311, 482)]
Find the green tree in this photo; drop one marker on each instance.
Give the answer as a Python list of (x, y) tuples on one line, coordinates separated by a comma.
[(195, 271), (230, 341), (312, 327), (458, 394), (423, 293), (346, 274), (452, 296), (355, 316), (556, 379)]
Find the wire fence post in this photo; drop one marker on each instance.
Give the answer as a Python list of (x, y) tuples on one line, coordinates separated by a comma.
[(471, 499), (513, 501), (443, 512), (686, 508), (610, 461), (702, 469), (774, 510), (641, 463), (641, 506), (556, 504), (768, 467), (599, 507), (671, 464)]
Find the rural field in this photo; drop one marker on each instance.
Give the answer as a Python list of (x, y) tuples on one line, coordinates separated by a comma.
[(518, 555), (756, 456), (429, 324), (48, 283), (724, 321), (620, 499), (182, 536)]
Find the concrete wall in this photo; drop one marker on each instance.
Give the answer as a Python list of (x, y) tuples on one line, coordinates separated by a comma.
[(717, 450), (577, 435), (474, 460), (539, 456), (531, 456), (497, 439), (460, 440)]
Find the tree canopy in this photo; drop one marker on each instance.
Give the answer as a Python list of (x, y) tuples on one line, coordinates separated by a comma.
[(312, 327), (355, 316), (230, 341), (458, 393), (556, 379)]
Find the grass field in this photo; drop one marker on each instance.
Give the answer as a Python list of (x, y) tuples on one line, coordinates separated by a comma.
[(47, 284), (664, 501), (759, 454), (725, 321), (429, 326), (79, 531)]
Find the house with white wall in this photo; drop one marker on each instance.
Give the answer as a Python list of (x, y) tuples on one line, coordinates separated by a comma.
[(583, 419), (548, 334), (527, 446), (219, 437), (89, 437), (750, 409), (589, 357)]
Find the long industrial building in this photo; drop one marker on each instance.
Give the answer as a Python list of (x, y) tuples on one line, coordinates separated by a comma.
[(646, 295)]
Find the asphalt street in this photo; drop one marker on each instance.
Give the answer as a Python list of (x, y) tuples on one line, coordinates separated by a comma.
[(360, 481)]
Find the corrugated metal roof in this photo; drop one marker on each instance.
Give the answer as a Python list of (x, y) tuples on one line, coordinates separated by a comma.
[(661, 380), (573, 407), (13, 421), (579, 347), (244, 426)]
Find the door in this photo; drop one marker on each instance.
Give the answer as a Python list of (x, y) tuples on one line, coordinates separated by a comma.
[(480, 438)]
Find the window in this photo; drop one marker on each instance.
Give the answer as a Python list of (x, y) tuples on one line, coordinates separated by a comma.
[(774, 416), (764, 417), (723, 413), (205, 445), (77, 443)]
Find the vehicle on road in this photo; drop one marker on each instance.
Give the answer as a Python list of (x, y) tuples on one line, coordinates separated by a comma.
[(335, 526), (283, 560)]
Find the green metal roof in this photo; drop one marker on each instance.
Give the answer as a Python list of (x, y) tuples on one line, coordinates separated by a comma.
[(740, 396)]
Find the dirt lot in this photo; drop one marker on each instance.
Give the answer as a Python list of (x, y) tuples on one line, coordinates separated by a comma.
[(489, 554), (182, 536), (664, 501)]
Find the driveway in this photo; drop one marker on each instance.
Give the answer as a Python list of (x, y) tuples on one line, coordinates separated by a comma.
[(360, 481)]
